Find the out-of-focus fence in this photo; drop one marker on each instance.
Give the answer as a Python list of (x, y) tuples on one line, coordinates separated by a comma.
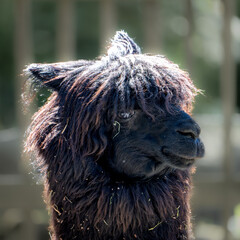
[(217, 182)]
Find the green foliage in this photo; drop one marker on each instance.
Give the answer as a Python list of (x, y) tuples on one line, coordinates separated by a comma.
[(7, 88), (88, 29), (44, 30)]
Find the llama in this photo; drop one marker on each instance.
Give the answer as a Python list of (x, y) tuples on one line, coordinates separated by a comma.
[(116, 145)]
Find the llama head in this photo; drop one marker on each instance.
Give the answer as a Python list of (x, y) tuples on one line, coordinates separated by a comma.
[(127, 111)]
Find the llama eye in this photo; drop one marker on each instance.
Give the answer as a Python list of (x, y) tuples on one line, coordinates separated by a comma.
[(126, 115)]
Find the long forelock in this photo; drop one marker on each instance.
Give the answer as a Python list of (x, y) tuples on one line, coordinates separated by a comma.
[(133, 79), (140, 79)]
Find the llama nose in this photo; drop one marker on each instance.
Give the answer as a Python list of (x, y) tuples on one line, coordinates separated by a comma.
[(189, 130)]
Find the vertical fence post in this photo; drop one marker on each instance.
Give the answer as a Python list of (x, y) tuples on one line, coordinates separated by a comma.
[(66, 40), (152, 26), (22, 50), (228, 88), (190, 19), (107, 22), (228, 84), (23, 55)]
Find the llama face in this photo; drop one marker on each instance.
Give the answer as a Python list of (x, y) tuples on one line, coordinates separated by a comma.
[(128, 111), (144, 147)]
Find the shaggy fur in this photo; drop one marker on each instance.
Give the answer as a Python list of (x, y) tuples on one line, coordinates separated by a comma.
[(92, 119)]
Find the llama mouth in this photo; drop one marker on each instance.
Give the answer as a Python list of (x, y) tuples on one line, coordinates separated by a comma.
[(178, 160)]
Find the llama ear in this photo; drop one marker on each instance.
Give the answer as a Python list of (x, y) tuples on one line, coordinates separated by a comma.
[(50, 75), (122, 45)]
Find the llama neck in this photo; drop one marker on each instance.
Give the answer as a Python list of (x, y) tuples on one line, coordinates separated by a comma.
[(95, 207)]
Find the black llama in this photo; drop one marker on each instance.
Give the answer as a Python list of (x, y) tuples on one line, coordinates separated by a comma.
[(116, 145)]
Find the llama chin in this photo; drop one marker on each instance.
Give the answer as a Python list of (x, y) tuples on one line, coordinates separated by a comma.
[(116, 144)]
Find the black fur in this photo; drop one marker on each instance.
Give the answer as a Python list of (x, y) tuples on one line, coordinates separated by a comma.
[(116, 145)]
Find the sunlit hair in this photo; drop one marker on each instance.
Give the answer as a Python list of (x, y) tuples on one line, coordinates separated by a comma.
[(74, 129)]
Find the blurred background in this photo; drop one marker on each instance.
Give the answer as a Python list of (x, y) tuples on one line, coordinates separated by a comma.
[(202, 36)]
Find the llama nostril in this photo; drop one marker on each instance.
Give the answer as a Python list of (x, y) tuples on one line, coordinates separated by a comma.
[(189, 129), (189, 133)]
